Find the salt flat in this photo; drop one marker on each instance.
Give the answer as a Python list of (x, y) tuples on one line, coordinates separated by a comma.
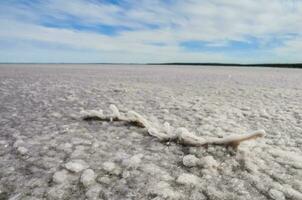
[(48, 152)]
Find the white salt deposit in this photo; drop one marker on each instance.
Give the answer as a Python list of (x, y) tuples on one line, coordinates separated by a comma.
[(88, 177), (22, 150), (93, 193), (210, 106), (134, 161), (164, 190), (188, 179), (109, 166), (60, 176), (209, 162), (190, 161), (76, 165)]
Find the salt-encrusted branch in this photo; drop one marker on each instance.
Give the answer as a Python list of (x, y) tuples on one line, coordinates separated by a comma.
[(187, 138), (138, 120), (235, 140), (132, 117), (167, 132)]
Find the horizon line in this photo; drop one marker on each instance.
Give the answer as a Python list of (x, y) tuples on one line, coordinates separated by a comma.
[(167, 63)]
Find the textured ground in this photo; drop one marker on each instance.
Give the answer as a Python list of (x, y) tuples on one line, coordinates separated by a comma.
[(48, 152)]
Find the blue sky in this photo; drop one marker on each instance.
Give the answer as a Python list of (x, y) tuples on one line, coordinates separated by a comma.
[(244, 31)]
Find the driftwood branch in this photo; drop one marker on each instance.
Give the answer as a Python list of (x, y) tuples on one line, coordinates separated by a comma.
[(166, 132)]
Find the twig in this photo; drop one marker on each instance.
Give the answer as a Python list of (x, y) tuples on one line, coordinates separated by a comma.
[(167, 132)]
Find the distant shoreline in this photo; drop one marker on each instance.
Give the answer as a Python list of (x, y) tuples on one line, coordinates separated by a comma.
[(275, 65)]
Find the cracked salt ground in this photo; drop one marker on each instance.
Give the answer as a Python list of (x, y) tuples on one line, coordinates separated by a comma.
[(48, 152)]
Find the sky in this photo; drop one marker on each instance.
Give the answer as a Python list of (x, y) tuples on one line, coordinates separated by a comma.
[(151, 31)]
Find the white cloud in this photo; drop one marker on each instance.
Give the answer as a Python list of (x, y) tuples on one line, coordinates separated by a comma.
[(216, 21)]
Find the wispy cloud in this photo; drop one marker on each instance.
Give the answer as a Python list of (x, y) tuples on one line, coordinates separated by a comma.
[(151, 31)]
